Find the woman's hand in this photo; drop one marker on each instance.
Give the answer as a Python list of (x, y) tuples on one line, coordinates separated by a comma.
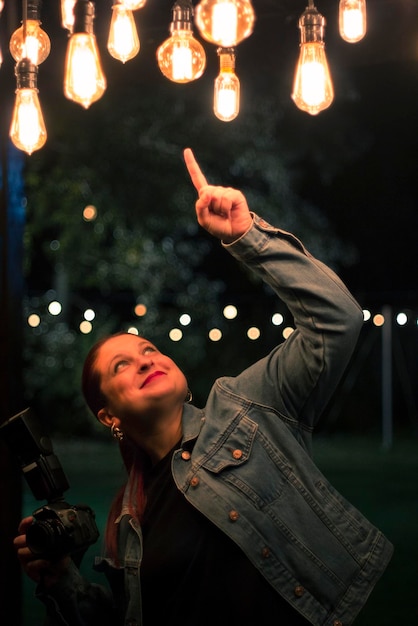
[(222, 211), (39, 570)]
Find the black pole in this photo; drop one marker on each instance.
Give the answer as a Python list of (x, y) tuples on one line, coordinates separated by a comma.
[(11, 289)]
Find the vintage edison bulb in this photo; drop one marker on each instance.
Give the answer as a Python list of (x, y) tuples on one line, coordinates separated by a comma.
[(123, 41), (225, 22), (84, 81), (227, 88), (352, 20), (312, 88), (67, 14), (36, 46), (27, 128), (181, 58), (133, 5)]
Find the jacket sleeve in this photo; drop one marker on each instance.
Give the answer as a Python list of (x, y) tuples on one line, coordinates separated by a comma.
[(74, 601), (299, 376)]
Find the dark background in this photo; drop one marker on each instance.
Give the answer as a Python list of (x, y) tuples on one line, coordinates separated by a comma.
[(371, 201), (357, 161)]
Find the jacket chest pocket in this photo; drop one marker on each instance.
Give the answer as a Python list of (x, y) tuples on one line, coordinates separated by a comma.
[(245, 461), (233, 448)]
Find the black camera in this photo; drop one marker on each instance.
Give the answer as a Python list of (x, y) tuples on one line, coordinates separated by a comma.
[(58, 527)]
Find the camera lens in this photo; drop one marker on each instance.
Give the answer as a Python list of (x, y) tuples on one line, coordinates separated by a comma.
[(48, 538)]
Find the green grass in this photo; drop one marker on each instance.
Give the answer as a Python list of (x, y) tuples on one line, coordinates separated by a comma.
[(383, 484)]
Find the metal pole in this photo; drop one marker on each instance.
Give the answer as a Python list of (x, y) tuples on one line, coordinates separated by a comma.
[(12, 217), (387, 416)]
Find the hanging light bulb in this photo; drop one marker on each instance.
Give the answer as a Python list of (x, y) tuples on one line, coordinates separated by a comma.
[(352, 20), (1, 52), (30, 41), (27, 129), (84, 80), (123, 42), (67, 14), (181, 57), (227, 87), (312, 87), (225, 22), (133, 5)]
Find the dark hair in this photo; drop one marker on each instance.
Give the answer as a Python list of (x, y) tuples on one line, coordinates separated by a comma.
[(132, 456), (90, 377)]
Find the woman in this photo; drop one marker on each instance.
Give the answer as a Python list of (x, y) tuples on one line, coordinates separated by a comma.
[(225, 518)]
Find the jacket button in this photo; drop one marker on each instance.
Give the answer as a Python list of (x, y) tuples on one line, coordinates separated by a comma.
[(185, 455), (233, 515), (237, 454), (265, 553), (194, 481), (299, 591)]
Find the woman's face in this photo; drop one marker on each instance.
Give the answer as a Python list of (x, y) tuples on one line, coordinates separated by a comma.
[(138, 380)]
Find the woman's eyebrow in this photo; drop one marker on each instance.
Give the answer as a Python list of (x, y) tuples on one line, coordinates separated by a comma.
[(125, 353)]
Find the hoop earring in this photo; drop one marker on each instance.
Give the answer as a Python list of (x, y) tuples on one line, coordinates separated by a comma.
[(189, 396), (116, 432)]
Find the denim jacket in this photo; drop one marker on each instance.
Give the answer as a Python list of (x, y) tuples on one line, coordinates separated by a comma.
[(245, 461)]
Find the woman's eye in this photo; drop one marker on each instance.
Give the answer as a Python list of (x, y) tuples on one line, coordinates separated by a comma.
[(149, 349), (119, 365)]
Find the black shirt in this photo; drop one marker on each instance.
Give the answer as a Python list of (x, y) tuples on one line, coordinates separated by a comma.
[(192, 574)]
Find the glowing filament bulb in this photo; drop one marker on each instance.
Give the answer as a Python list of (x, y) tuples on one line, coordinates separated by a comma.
[(123, 42), (84, 80), (312, 91), (225, 22), (181, 58), (133, 5), (27, 128), (312, 87), (352, 20), (182, 61), (227, 87), (67, 14), (1, 53), (30, 41)]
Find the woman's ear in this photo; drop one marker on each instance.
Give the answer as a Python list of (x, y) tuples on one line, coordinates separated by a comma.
[(105, 417)]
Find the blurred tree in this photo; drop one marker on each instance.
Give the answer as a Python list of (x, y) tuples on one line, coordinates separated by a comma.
[(124, 157)]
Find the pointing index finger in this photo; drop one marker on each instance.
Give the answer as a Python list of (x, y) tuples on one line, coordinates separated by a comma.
[(195, 173)]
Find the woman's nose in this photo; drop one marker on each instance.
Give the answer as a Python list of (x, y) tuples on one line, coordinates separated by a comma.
[(145, 362)]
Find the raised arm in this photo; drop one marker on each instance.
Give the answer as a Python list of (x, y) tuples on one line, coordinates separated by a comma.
[(300, 376)]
